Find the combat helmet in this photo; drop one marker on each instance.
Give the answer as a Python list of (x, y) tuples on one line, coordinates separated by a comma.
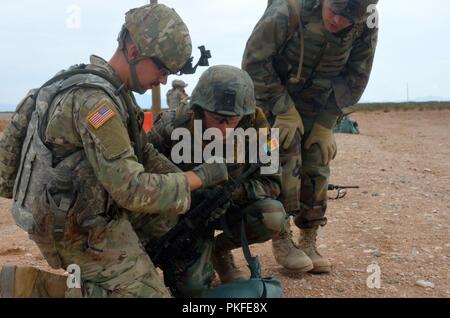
[(225, 90), (159, 34), (179, 83)]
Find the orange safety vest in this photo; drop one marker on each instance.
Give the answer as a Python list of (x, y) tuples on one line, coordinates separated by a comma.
[(148, 121)]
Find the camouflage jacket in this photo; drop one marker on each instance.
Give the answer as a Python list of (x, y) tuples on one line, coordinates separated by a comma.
[(257, 187), (89, 119), (335, 70), (175, 97)]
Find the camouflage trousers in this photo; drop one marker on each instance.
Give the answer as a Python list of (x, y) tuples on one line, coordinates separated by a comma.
[(112, 261), (305, 180), (263, 219)]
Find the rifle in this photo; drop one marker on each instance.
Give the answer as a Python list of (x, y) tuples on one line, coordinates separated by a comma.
[(341, 190), (180, 242)]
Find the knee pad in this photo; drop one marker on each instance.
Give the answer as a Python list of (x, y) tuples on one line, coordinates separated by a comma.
[(273, 214), (275, 221)]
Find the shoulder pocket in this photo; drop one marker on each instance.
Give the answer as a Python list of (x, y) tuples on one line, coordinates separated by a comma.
[(105, 125)]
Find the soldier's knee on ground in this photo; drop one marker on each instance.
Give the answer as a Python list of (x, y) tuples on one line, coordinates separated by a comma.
[(198, 277), (31, 282), (273, 214), (264, 218), (113, 263), (276, 222), (140, 281)]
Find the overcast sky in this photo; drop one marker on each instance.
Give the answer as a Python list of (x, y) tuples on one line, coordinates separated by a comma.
[(39, 38)]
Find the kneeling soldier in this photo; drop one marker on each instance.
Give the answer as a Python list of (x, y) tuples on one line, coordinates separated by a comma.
[(224, 99)]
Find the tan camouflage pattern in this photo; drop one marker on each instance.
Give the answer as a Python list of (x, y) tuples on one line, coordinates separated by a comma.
[(31, 282), (209, 92), (176, 97), (112, 189), (110, 152), (11, 142), (113, 263), (159, 32)]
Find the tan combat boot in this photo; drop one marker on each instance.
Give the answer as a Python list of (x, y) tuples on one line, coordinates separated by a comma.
[(307, 242), (225, 267), (288, 255), (30, 282)]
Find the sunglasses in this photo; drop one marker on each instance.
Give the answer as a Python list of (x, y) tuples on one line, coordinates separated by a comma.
[(164, 71), (229, 120)]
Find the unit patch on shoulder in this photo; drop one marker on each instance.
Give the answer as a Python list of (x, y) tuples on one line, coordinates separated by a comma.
[(101, 115)]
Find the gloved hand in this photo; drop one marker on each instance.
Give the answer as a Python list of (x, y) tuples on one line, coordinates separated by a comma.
[(211, 174), (185, 100), (289, 123), (324, 137)]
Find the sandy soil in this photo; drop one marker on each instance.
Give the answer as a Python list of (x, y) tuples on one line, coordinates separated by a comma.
[(399, 219)]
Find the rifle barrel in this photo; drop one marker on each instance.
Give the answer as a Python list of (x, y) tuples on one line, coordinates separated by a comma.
[(332, 187)]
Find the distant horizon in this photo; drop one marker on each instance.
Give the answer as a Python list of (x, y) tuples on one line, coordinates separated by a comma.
[(8, 108)]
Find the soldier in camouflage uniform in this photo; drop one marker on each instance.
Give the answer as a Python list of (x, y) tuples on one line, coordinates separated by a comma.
[(309, 59), (177, 95), (224, 98), (88, 189)]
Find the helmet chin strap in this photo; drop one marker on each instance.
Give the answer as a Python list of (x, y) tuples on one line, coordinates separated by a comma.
[(135, 83)]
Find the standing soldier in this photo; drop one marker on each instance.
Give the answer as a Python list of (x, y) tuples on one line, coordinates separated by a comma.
[(177, 95), (86, 171), (309, 59), (224, 99)]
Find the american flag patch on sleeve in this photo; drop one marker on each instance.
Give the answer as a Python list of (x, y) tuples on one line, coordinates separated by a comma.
[(101, 116)]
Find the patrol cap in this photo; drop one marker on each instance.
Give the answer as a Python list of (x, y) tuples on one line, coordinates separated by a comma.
[(225, 90)]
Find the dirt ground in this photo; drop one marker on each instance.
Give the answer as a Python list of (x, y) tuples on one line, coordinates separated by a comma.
[(398, 219)]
